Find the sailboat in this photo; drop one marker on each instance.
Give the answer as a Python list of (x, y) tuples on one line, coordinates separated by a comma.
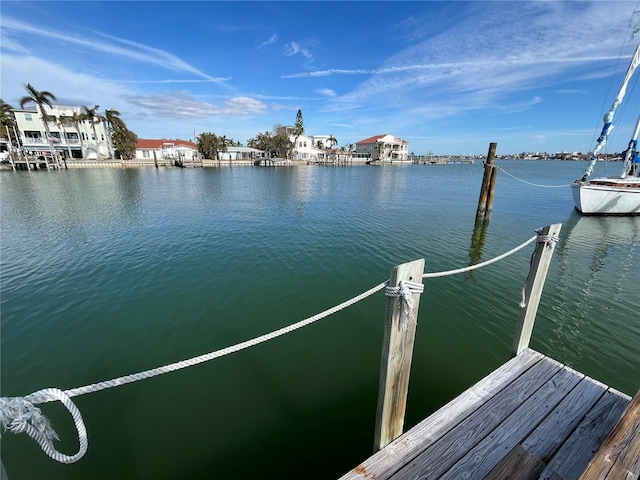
[(618, 195)]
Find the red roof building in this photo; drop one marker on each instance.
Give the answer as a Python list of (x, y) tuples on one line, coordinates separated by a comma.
[(384, 148)]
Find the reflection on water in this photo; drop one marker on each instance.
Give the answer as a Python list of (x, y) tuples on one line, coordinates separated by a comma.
[(110, 271), (597, 309), (478, 239)]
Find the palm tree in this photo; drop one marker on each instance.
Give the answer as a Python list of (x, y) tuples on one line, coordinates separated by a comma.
[(65, 121), (380, 150), (94, 118), (41, 98), (113, 122), (350, 148), (7, 120), (76, 119), (332, 141)]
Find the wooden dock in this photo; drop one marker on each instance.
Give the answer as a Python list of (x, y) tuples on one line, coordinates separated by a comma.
[(532, 418)]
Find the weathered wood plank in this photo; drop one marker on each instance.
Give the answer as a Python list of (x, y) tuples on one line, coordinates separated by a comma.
[(518, 463), (574, 456), (390, 459), (547, 438), (478, 462), (397, 353), (619, 455), (441, 456)]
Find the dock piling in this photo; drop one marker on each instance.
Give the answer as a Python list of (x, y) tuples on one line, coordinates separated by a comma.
[(533, 286), (485, 201), (397, 352)]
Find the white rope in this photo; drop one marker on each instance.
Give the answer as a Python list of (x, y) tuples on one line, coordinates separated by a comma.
[(19, 414), (480, 265), (524, 181), (405, 291)]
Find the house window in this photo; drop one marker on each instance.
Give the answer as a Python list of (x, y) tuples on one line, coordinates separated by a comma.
[(305, 145), (145, 154), (102, 135), (27, 117)]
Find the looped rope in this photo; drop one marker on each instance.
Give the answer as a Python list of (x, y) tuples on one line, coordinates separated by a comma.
[(405, 291), (19, 414)]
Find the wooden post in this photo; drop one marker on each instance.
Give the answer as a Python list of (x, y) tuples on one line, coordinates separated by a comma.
[(155, 158), (492, 189), (397, 352), (488, 184), (533, 286)]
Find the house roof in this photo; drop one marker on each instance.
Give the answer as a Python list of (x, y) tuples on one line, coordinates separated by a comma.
[(375, 139), (157, 144)]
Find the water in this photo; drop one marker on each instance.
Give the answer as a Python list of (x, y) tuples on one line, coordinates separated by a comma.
[(107, 272)]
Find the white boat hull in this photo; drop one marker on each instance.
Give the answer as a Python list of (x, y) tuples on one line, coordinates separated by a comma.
[(616, 197)]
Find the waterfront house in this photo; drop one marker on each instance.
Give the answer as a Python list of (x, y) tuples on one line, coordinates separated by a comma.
[(383, 148), (82, 139), (241, 153), (164, 149)]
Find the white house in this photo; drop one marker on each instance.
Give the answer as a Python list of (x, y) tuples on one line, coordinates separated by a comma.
[(80, 140), (166, 149), (240, 153), (383, 148)]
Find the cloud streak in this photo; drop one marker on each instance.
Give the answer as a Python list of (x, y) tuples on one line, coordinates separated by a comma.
[(119, 47)]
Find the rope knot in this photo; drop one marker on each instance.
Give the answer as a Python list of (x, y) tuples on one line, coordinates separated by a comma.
[(405, 291), (546, 238), (19, 414)]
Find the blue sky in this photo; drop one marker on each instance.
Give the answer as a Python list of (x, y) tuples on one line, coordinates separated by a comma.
[(449, 77)]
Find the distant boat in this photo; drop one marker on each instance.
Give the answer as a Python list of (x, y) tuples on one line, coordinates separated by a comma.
[(618, 195)]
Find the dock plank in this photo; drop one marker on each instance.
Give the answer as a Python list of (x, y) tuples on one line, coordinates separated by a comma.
[(405, 448), (549, 436), (574, 456), (527, 466), (479, 461), (442, 455), (619, 455)]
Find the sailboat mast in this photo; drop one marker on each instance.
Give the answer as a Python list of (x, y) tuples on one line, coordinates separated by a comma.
[(631, 150), (608, 117)]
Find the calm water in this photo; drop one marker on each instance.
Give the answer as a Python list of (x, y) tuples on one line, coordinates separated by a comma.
[(107, 272)]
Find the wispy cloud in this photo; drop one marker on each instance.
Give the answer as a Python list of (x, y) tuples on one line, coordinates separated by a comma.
[(485, 57), (184, 105), (272, 40), (117, 47), (327, 92), (294, 48)]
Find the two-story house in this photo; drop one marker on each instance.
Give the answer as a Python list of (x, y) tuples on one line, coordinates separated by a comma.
[(383, 148), (71, 137)]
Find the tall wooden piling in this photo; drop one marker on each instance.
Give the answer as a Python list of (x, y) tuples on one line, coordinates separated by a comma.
[(485, 201), (533, 287), (397, 352)]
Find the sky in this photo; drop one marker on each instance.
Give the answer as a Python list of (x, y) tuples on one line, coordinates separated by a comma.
[(449, 77)]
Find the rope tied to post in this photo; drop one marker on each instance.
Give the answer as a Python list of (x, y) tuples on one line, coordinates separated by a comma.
[(20, 414), (548, 240), (405, 291)]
